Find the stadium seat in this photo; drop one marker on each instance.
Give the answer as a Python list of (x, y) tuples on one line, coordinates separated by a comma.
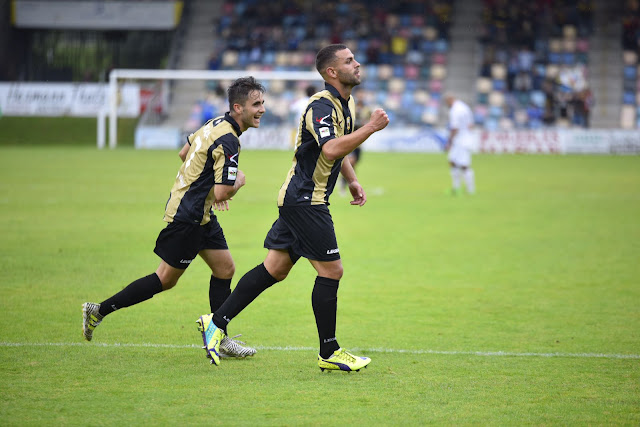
[(483, 85), (385, 72), (411, 72), (421, 97), (630, 58), (435, 86), (430, 33), (499, 84), (496, 99), (498, 71), (555, 45), (397, 85), (230, 59), (569, 32), (438, 72)]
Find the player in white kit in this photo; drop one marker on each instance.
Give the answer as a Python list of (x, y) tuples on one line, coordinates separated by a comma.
[(459, 144)]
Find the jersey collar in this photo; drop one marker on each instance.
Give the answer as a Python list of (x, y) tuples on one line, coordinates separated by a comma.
[(231, 120), (334, 92)]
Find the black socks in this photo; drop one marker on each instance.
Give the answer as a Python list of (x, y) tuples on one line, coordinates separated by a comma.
[(324, 300), (252, 284), (136, 292), (219, 291)]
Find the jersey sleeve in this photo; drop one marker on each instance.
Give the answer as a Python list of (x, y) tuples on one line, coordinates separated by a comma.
[(319, 121), (225, 154), (454, 118)]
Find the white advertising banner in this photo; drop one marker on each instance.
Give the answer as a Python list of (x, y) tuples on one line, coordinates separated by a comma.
[(561, 141), (520, 141), (602, 141), (155, 137), (390, 139), (66, 99), (420, 140), (97, 15)]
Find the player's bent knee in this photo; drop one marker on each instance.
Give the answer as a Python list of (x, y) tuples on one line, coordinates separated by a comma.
[(279, 275), (225, 271), (331, 270), (168, 283)]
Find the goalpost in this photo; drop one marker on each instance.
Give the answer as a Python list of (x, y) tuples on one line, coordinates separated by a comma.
[(140, 74)]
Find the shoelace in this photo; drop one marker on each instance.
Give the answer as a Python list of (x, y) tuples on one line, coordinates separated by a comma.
[(234, 340), (231, 347), (348, 356)]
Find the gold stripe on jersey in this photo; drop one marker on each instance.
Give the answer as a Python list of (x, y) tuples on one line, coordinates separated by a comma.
[(194, 204), (283, 189), (218, 166), (322, 168), (321, 178)]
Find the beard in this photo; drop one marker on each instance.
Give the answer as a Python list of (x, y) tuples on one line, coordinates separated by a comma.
[(348, 79)]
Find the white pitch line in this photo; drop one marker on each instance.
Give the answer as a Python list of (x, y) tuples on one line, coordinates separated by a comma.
[(371, 350)]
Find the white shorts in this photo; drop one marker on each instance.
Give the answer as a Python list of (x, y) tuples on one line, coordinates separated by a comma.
[(460, 156)]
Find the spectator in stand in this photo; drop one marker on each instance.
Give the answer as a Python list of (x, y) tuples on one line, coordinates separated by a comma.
[(581, 105), (550, 103)]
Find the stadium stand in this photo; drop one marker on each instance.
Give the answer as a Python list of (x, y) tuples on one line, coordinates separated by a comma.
[(630, 115), (537, 63), (534, 70), (404, 46)]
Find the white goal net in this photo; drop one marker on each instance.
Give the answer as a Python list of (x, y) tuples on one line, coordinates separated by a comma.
[(283, 89)]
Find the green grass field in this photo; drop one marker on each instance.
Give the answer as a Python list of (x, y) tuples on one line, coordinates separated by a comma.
[(518, 306)]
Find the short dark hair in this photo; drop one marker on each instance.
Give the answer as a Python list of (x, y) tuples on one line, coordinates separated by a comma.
[(310, 91), (240, 89), (327, 55)]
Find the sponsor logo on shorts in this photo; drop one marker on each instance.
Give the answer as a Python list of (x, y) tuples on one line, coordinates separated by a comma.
[(185, 261), (333, 251)]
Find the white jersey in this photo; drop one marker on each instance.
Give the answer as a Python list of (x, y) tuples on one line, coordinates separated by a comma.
[(461, 118)]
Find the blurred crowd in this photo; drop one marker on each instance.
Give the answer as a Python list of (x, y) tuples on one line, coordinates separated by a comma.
[(631, 50), (534, 69), (402, 45)]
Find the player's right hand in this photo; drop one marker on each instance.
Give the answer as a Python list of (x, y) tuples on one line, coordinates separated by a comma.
[(379, 119)]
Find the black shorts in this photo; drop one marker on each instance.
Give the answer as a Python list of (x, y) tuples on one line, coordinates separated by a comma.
[(179, 243), (305, 231)]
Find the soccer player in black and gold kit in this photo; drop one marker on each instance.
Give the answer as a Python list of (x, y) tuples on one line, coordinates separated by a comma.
[(209, 177), (304, 227)]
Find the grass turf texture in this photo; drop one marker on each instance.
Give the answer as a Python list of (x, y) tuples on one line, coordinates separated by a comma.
[(54, 131), (541, 264)]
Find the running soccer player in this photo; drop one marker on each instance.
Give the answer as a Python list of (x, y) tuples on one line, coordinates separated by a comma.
[(208, 178), (459, 145), (304, 227)]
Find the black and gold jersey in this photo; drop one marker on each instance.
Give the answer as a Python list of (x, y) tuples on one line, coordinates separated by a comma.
[(211, 160), (312, 176)]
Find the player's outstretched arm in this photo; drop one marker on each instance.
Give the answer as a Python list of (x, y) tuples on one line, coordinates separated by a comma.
[(340, 147)]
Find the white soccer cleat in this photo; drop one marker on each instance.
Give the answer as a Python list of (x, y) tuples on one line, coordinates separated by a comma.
[(91, 318), (230, 347)]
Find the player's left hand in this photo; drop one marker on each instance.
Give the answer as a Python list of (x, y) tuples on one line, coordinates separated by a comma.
[(221, 206), (359, 196)]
